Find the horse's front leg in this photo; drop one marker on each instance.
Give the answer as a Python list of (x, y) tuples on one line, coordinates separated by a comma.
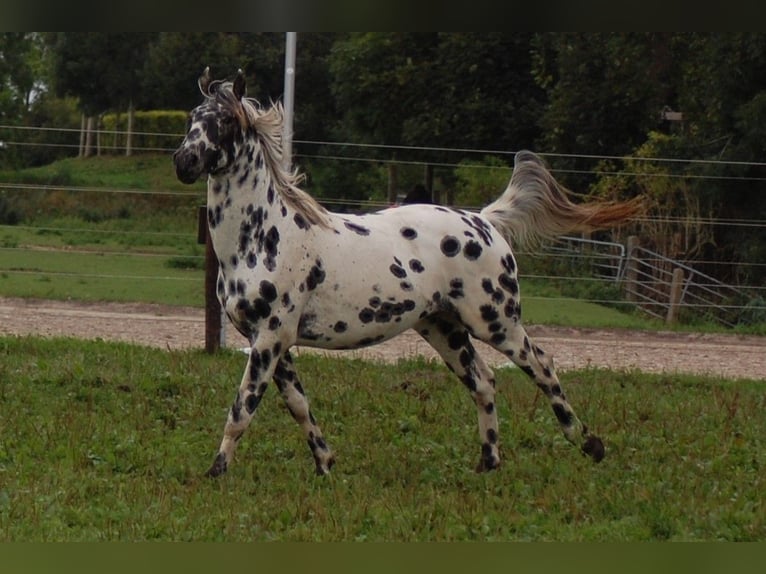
[(292, 392), (260, 368)]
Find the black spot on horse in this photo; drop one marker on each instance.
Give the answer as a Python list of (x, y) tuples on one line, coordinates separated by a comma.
[(374, 302), (316, 276), (562, 414), (358, 229), (406, 286), (508, 283), (270, 194), (243, 178), (398, 271), (240, 287), (457, 339), (245, 235), (268, 291), (450, 246), (274, 323), (340, 327), (508, 263), (300, 221), (497, 338), (366, 315), (408, 233), (482, 228), (472, 250), (488, 313), (271, 247), (456, 290), (252, 260), (469, 382), (214, 216), (416, 266), (252, 402)]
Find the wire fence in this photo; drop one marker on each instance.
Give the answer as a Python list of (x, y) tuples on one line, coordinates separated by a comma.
[(591, 271)]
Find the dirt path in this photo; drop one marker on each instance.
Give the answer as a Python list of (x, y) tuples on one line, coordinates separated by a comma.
[(168, 327)]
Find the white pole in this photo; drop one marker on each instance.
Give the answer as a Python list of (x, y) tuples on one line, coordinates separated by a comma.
[(287, 127)]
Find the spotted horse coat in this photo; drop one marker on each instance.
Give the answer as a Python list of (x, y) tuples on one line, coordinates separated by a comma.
[(293, 273)]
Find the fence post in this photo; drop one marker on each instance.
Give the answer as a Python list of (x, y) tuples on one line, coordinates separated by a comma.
[(631, 269), (212, 305), (676, 288)]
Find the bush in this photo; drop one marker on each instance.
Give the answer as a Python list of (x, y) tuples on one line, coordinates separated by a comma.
[(155, 130), (8, 215)]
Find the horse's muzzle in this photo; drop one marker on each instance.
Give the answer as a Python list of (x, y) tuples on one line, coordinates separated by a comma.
[(188, 165)]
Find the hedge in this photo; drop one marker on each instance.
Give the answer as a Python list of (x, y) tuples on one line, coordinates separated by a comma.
[(155, 130)]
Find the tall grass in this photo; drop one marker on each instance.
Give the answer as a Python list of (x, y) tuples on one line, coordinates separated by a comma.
[(102, 441)]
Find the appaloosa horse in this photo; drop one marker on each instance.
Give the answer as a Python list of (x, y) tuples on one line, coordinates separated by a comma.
[(293, 273)]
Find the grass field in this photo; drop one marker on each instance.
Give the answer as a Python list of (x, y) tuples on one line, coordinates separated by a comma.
[(106, 441)]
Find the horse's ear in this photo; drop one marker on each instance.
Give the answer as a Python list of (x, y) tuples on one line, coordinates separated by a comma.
[(204, 82), (240, 88)]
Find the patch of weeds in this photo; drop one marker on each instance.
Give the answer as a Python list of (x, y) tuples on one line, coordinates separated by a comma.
[(186, 262)]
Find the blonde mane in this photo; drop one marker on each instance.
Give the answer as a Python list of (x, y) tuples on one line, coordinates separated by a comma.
[(267, 125)]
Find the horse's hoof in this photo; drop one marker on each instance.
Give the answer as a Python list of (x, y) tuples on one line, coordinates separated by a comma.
[(487, 464), (218, 467), (323, 468), (594, 448)]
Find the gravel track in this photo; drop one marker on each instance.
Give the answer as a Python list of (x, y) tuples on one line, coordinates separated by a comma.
[(167, 327)]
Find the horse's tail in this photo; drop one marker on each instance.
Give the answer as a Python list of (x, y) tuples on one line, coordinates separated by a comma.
[(535, 206)]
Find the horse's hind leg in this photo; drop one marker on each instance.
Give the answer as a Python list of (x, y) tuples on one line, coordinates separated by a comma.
[(450, 339), (517, 346), (292, 392)]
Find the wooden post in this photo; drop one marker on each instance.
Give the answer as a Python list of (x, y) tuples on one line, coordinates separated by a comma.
[(631, 270), (212, 305), (129, 135), (676, 288), (428, 183), (88, 150)]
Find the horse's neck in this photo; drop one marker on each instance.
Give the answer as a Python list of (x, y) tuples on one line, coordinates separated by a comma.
[(242, 199)]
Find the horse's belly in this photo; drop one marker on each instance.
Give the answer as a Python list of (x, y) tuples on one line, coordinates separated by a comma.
[(354, 326)]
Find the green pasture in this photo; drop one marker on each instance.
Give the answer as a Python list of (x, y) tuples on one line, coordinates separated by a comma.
[(105, 441), (84, 276)]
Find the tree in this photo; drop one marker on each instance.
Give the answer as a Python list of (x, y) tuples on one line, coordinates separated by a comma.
[(605, 92), (23, 83), (452, 90), (101, 69)]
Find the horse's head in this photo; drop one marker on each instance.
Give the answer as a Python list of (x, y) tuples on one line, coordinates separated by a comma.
[(214, 129)]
